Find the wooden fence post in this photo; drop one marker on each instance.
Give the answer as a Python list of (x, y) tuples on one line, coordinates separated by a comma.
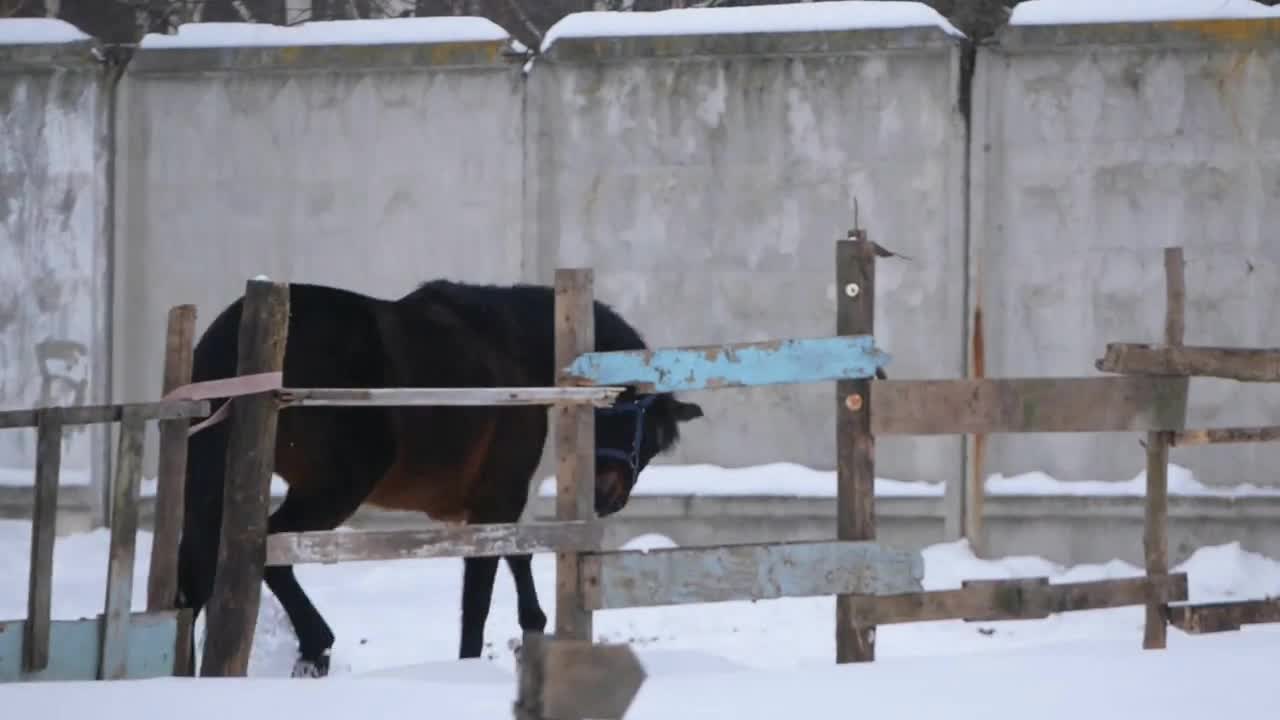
[(162, 578), (117, 615), (575, 444), (1155, 524), (855, 445), (44, 518), (242, 551)]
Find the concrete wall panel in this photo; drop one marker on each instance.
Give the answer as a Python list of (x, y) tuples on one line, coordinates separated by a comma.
[(54, 247), (403, 166), (707, 188), (1093, 149)]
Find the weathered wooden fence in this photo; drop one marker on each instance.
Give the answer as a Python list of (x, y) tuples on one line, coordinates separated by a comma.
[(1175, 360), (118, 643), (1148, 395), (588, 578), (1155, 405), (874, 585)]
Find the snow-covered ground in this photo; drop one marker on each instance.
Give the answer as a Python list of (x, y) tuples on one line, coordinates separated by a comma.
[(397, 626)]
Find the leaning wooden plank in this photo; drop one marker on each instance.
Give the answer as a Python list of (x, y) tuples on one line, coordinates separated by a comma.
[(162, 577), (97, 414), (674, 576), (1243, 364), (1026, 405), (773, 362), (310, 397), (332, 546), (120, 558), (1018, 599), (44, 520), (237, 588), (1224, 616), (1215, 436), (75, 646)]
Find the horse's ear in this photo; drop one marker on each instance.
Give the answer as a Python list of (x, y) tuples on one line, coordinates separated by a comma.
[(686, 411)]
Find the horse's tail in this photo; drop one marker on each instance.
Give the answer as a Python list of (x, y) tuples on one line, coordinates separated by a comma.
[(214, 357), (202, 517)]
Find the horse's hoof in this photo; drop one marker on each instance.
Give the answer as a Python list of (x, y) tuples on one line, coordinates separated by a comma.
[(311, 668)]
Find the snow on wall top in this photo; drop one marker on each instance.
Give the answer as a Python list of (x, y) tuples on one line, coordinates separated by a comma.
[(39, 31), (807, 17), (1069, 12), (381, 31)]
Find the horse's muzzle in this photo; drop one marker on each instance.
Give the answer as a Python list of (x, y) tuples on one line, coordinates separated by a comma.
[(612, 490)]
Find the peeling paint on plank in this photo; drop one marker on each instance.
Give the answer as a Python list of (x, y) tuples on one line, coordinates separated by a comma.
[(675, 576), (74, 646), (772, 362)]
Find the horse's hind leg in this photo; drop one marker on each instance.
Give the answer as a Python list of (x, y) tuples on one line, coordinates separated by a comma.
[(477, 592), (315, 637), (532, 619)]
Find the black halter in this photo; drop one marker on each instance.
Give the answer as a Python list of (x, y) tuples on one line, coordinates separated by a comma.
[(630, 457)]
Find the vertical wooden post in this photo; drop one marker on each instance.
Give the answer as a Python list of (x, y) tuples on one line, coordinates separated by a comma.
[(975, 487), (117, 612), (1155, 525), (162, 578), (575, 444), (242, 552), (855, 445), (44, 519), (530, 677)]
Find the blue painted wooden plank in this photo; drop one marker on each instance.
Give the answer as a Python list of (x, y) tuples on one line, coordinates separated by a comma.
[(676, 576), (74, 646), (774, 362)]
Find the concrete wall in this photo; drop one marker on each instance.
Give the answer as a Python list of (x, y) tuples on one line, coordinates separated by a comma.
[(54, 246), (1093, 149), (706, 180), (373, 168)]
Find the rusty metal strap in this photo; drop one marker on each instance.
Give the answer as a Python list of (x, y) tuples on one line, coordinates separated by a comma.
[(225, 388)]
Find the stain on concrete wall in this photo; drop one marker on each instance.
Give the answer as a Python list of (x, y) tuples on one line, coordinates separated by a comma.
[(54, 294)]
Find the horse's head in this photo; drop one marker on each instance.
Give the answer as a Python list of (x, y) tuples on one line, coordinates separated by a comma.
[(628, 435)]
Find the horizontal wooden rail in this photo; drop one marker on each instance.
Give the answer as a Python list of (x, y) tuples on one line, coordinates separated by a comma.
[(1244, 364), (1217, 436), (95, 414), (1016, 599), (675, 576), (706, 367), (977, 406), (450, 541), (1224, 616), (480, 396)]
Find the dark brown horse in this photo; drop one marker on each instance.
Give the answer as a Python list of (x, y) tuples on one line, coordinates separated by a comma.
[(461, 464)]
